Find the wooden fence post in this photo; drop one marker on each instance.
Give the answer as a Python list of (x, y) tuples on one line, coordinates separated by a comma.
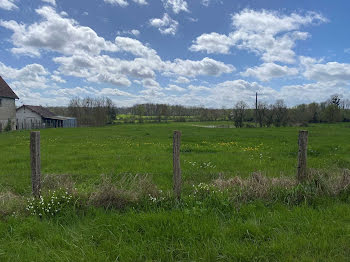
[(35, 162), (302, 156), (176, 164)]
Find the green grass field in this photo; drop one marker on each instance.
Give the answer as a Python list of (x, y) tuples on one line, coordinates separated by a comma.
[(254, 231)]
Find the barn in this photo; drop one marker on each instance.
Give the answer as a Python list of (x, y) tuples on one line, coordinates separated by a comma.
[(35, 117), (7, 106)]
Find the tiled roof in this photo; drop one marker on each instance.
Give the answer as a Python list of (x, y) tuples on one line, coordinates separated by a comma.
[(6, 91)]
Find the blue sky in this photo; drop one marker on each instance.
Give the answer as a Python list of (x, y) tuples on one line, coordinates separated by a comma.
[(212, 53)]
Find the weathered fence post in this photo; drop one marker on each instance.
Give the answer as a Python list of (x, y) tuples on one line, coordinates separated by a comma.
[(176, 164), (35, 162), (302, 156)]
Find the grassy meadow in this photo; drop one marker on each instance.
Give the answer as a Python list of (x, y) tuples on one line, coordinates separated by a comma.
[(256, 230)]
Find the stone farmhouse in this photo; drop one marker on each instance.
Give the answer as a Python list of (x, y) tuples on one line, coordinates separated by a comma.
[(7, 106)]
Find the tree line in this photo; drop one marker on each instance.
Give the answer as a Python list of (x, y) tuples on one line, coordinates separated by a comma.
[(100, 111), (89, 111)]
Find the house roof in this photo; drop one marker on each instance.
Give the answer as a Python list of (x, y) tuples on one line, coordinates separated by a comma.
[(42, 111), (6, 91)]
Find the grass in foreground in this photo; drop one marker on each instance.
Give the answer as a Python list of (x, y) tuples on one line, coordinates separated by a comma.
[(254, 233), (244, 219)]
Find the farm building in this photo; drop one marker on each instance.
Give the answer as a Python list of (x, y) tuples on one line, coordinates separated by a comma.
[(30, 117), (7, 106)]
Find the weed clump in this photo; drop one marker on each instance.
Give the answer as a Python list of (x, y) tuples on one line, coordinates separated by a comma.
[(285, 189), (53, 182), (10, 203), (126, 192)]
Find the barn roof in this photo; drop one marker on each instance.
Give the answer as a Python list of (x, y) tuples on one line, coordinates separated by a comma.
[(42, 111), (6, 91)]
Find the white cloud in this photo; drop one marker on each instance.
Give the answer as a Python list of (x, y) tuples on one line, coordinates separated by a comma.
[(80, 55), (268, 34), (113, 92), (206, 66), (166, 25), (331, 71), (58, 79), (74, 92), (175, 88), (53, 2), (124, 3), (152, 94), (118, 80), (192, 19), (8, 4), (176, 5), (141, 2), (198, 88), (33, 76), (230, 92), (267, 71), (134, 47), (133, 32), (205, 2), (314, 92), (55, 33), (116, 71), (212, 43), (32, 84), (151, 84), (182, 80), (104, 68)]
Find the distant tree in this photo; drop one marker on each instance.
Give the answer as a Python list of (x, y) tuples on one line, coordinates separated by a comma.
[(203, 114), (261, 113), (332, 110), (140, 110), (92, 111), (269, 116), (239, 113), (314, 112), (280, 113), (111, 111)]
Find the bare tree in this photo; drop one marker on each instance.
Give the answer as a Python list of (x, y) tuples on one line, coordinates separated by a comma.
[(261, 112), (92, 111), (239, 113), (281, 113)]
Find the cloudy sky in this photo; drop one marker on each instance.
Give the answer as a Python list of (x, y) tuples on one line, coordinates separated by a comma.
[(199, 52)]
